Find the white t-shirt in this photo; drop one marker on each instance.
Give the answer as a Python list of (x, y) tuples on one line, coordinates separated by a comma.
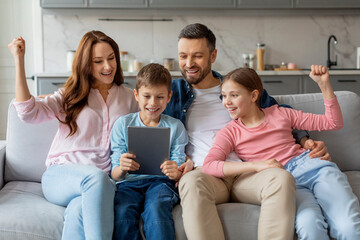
[(205, 117)]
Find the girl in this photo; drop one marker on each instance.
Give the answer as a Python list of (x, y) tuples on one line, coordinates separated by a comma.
[(78, 162), (262, 138)]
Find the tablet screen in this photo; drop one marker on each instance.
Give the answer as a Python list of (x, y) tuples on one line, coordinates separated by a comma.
[(151, 145)]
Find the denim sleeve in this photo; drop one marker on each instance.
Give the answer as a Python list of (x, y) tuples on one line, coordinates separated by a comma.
[(266, 101)]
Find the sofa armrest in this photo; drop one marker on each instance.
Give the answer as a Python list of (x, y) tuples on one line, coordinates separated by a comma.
[(2, 162)]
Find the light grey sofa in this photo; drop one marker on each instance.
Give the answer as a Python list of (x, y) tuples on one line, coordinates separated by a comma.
[(25, 214)]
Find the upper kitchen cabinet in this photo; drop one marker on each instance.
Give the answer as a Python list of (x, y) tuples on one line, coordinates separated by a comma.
[(327, 3), (117, 3), (63, 3), (264, 4), (192, 4)]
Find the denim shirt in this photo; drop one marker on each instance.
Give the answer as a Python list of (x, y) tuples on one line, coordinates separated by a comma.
[(183, 97)]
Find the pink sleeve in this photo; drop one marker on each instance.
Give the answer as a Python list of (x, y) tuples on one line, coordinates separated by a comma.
[(38, 111), (222, 146), (332, 120)]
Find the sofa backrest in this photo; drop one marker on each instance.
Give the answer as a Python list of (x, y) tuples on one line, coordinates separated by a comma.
[(27, 146), (344, 144)]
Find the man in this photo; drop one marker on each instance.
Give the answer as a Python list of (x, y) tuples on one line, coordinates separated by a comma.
[(196, 102)]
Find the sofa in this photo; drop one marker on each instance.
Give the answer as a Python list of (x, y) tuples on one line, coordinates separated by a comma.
[(25, 213)]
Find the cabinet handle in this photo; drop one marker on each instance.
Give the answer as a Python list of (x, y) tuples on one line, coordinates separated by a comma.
[(58, 84), (350, 80), (274, 81)]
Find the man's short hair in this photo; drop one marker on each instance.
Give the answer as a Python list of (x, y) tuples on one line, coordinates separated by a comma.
[(197, 31), (153, 74)]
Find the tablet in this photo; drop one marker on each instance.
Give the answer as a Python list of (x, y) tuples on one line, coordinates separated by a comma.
[(151, 145)]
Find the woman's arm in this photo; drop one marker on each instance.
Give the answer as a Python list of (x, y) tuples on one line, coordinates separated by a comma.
[(28, 109), (17, 49)]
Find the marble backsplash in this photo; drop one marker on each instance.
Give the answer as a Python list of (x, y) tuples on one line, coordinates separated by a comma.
[(299, 39)]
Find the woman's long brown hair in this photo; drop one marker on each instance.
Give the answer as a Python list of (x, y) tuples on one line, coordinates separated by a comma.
[(77, 88)]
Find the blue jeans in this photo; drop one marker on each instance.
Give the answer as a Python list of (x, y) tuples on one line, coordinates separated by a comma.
[(151, 198), (324, 198), (88, 194)]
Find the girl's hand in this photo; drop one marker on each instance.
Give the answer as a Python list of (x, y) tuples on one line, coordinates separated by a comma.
[(127, 163), (170, 169), (271, 163), (17, 47), (319, 74)]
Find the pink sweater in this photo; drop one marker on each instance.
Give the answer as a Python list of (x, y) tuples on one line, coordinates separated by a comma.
[(90, 145), (272, 138)]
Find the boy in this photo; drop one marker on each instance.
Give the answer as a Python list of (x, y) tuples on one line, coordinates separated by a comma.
[(152, 197)]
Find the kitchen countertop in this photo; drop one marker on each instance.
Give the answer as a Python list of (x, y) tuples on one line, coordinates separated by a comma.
[(260, 73)]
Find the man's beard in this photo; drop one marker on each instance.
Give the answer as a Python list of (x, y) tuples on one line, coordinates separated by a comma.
[(195, 81)]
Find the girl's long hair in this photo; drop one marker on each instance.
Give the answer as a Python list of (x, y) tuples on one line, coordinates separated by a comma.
[(77, 87)]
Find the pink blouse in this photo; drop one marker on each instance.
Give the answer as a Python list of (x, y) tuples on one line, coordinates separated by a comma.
[(90, 145)]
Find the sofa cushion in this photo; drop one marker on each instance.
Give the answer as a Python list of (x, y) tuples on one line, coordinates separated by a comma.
[(344, 144), (26, 214), (354, 180), (27, 146)]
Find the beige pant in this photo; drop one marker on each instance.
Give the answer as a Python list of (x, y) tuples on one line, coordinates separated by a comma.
[(273, 189)]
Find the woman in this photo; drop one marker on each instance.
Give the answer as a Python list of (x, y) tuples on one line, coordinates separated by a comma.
[(78, 162)]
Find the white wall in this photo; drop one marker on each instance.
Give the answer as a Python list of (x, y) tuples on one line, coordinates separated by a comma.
[(301, 39), (16, 19)]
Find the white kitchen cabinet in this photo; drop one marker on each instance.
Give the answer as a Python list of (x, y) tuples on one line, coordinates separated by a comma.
[(338, 82), (63, 3), (192, 4), (326, 3), (50, 84), (277, 85), (117, 3), (202, 4), (264, 4)]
